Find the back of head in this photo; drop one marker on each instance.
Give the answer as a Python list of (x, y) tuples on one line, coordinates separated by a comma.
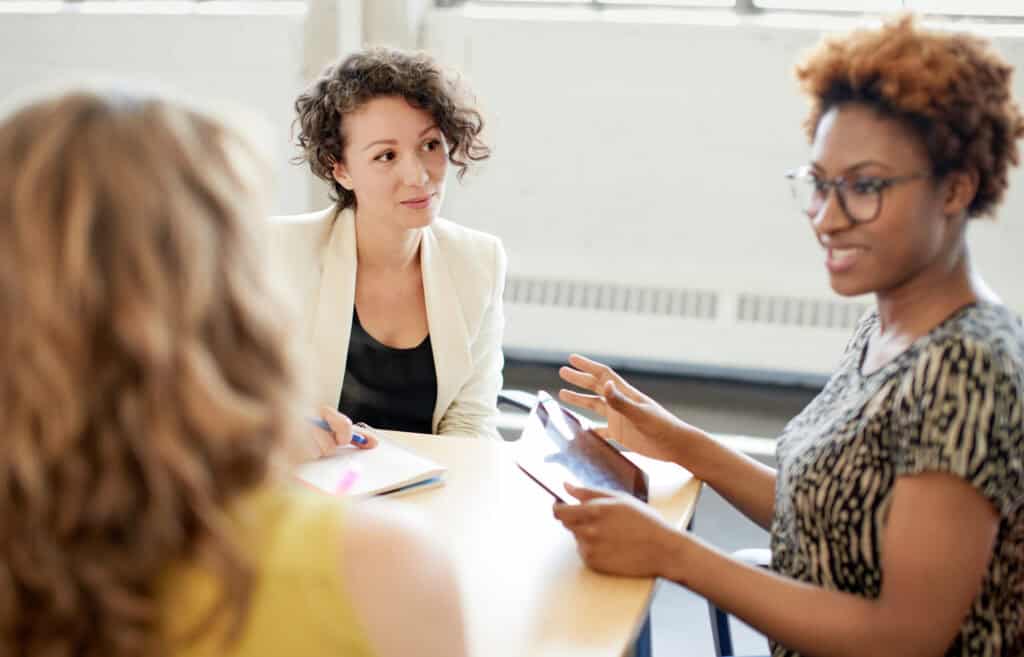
[(145, 381)]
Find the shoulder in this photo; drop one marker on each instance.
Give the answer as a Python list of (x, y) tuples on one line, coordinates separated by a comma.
[(984, 341), (470, 254), (303, 221), (371, 525), (462, 241), (300, 519), (963, 397), (293, 229), (401, 576)]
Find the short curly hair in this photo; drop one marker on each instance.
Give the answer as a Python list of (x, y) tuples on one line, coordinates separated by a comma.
[(348, 85), (952, 89)]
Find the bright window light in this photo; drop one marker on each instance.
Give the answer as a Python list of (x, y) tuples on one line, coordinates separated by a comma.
[(629, 3), (832, 5), (676, 3), (973, 7), (31, 7)]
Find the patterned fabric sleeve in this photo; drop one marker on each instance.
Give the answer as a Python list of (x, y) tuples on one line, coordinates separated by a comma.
[(964, 410)]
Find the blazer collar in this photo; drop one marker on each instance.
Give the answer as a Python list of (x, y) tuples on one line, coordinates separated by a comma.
[(333, 319), (449, 334)]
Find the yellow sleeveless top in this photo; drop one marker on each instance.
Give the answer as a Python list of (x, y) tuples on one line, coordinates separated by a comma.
[(299, 604)]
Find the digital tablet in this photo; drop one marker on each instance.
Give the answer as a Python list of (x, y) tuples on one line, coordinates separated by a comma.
[(556, 448)]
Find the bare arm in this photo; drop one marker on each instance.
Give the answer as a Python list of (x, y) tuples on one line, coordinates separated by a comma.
[(935, 552), (403, 584), (746, 483)]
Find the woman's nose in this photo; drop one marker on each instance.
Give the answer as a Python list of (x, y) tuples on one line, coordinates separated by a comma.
[(830, 215), (414, 173)]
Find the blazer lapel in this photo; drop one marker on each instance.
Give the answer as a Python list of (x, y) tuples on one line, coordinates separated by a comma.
[(449, 337), (332, 322)]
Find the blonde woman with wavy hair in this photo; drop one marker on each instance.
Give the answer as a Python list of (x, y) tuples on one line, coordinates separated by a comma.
[(146, 398)]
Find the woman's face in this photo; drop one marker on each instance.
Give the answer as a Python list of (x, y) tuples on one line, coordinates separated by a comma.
[(918, 221), (395, 162)]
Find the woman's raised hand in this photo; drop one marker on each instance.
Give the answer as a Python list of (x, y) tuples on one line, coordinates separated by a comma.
[(634, 420)]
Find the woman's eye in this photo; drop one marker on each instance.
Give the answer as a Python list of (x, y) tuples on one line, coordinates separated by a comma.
[(386, 156), (432, 145), (866, 185)]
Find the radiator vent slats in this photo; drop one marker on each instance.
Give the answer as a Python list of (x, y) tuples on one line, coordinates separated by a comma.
[(696, 304), (796, 311), (683, 302)]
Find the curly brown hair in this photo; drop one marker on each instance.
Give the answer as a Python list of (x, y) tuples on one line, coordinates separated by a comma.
[(346, 86), (146, 377), (951, 89)]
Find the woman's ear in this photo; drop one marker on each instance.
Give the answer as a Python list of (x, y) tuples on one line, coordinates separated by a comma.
[(961, 188), (340, 173)]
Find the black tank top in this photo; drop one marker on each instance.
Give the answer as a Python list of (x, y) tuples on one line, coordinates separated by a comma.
[(388, 388)]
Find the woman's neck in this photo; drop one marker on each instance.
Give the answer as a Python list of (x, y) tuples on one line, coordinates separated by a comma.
[(914, 308), (381, 245)]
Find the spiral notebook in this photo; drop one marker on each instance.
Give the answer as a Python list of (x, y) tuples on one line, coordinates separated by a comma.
[(387, 469)]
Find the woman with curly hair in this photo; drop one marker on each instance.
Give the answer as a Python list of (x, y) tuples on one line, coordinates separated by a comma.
[(403, 309), (147, 399), (896, 515)]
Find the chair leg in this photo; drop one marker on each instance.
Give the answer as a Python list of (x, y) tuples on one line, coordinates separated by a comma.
[(720, 633), (643, 646)]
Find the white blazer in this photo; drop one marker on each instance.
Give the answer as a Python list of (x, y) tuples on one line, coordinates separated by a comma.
[(314, 257)]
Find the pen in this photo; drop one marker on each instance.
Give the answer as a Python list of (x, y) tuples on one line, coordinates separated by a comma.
[(319, 422)]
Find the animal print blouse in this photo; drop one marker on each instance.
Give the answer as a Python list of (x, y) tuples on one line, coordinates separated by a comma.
[(950, 403)]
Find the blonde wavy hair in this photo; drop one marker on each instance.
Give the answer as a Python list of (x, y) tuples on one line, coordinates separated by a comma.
[(146, 380)]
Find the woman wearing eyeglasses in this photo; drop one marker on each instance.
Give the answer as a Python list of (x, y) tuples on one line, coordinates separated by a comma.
[(896, 511)]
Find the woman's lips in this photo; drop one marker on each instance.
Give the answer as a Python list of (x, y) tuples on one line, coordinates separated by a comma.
[(418, 203), (840, 260)]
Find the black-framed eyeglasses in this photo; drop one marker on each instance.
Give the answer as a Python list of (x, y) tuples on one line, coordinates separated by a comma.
[(860, 196)]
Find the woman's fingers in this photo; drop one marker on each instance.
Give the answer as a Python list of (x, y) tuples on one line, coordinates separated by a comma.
[(363, 437), (573, 516), (617, 401), (322, 442), (578, 378), (343, 433), (589, 402), (587, 365), (593, 375), (340, 425), (584, 494)]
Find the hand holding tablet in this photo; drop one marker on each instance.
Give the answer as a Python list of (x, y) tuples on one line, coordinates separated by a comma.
[(555, 448)]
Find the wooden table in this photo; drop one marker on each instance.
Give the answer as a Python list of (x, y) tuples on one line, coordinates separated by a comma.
[(525, 591)]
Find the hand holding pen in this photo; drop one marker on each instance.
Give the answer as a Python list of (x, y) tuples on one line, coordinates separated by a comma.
[(333, 430)]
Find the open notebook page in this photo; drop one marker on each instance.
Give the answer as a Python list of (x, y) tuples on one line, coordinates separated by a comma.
[(383, 469)]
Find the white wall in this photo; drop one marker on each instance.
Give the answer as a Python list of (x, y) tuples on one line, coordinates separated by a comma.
[(651, 154), (245, 59), (642, 149), (256, 55)]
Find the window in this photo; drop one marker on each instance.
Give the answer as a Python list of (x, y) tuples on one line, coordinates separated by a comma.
[(1009, 8), (617, 3), (972, 8), (996, 8), (831, 5)]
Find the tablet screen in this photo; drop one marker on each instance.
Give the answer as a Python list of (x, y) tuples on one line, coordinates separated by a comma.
[(555, 448)]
